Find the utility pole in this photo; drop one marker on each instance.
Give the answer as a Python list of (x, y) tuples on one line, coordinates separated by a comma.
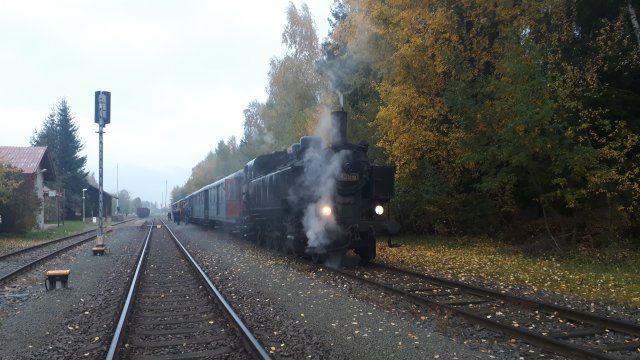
[(83, 213), (102, 117), (117, 193), (64, 201)]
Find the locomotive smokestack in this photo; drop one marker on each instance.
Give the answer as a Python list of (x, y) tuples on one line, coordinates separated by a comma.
[(338, 128)]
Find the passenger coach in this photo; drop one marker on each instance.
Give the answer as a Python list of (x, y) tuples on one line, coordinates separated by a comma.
[(217, 204)]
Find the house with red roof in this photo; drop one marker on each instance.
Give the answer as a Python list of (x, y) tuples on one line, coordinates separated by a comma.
[(36, 165)]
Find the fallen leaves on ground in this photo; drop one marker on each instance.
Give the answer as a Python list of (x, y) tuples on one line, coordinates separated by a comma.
[(494, 262)]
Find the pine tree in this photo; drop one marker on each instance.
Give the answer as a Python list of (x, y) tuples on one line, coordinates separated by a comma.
[(59, 133), (48, 135), (71, 164)]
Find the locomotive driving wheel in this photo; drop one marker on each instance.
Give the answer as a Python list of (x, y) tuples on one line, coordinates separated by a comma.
[(273, 238), (318, 258), (268, 237), (294, 240), (279, 237), (260, 235), (368, 251)]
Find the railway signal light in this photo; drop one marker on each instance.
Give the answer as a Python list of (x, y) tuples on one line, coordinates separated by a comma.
[(102, 111)]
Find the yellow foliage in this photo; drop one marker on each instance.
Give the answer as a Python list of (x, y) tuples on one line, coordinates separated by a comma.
[(503, 266)]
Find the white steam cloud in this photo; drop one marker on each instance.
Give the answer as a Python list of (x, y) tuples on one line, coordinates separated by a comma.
[(320, 179)]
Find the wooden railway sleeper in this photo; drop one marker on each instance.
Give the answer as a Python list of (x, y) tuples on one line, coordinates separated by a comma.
[(627, 346), (581, 332)]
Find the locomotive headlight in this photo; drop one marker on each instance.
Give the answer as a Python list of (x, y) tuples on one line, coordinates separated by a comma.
[(379, 209), (326, 210)]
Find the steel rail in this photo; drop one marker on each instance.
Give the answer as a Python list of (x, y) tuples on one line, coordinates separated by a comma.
[(546, 342), (126, 308), (34, 262), (254, 345), (3, 257), (609, 323)]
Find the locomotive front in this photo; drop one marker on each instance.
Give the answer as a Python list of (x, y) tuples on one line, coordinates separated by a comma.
[(353, 209), (317, 200)]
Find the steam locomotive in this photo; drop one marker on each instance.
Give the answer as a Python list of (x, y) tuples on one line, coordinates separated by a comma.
[(308, 200)]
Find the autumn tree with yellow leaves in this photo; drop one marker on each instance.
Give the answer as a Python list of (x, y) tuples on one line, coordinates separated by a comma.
[(511, 117), (503, 113), (291, 110), (294, 90)]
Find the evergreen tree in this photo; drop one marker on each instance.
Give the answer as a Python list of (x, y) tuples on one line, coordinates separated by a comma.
[(70, 163), (59, 133), (48, 135)]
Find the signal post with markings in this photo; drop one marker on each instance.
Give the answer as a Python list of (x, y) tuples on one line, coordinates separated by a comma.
[(102, 117)]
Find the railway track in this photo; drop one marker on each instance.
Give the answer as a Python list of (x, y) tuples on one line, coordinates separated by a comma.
[(19, 261), (559, 329), (173, 310), (16, 262)]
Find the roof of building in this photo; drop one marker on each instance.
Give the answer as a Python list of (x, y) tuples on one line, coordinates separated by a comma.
[(28, 159), (96, 189)]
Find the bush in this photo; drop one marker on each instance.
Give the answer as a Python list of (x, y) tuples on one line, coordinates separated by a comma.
[(18, 211)]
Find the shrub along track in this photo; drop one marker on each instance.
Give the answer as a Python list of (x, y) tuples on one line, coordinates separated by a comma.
[(559, 329), (173, 311)]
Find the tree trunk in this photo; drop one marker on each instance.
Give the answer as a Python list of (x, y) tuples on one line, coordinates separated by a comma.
[(634, 21), (546, 224)]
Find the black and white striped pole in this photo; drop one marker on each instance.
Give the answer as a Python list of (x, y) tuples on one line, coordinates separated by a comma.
[(102, 117)]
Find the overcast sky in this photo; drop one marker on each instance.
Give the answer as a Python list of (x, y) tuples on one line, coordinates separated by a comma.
[(180, 74)]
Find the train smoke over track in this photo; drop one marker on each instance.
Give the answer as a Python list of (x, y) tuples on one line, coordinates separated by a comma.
[(320, 180)]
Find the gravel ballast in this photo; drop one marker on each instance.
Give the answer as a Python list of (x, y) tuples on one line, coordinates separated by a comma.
[(297, 315), (296, 310), (75, 322)]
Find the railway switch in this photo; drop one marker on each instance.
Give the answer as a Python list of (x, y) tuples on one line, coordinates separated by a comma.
[(53, 276)]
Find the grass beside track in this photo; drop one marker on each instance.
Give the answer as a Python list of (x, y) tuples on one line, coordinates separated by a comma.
[(13, 242), (612, 277)]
